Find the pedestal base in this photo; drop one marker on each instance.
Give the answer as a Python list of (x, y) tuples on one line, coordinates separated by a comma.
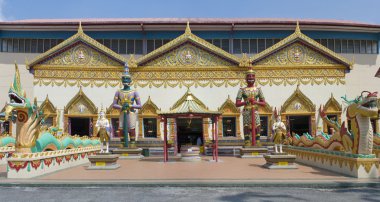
[(280, 161), (129, 153), (103, 161), (253, 152)]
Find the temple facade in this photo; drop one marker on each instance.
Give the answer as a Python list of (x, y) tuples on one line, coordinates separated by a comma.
[(73, 79)]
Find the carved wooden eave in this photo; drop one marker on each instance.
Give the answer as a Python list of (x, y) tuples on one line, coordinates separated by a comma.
[(333, 106), (298, 103), (80, 36), (149, 108), (187, 38), (229, 108), (80, 99), (47, 107), (300, 38)]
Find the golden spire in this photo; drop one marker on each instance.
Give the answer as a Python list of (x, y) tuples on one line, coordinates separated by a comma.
[(80, 30), (188, 30), (298, 30)]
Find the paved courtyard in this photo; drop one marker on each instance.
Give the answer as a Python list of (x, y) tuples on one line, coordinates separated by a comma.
[(230, 169)]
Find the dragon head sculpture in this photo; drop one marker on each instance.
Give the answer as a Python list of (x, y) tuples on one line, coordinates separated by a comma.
[(359, 112), (25, 114)]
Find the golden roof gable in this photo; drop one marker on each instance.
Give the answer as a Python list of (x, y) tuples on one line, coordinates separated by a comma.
[(81, 98), (149, 107), (79, 36), (188, 103), (188, 36), (298, 36), (332, 105), (47, 106), (298, 103)]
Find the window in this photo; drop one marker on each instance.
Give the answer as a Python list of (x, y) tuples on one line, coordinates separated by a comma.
[(229, 126), (122, 46), (115, 45), (244, 46), (225, 45), (130, 46), (362, 46), (253, 46), (344, 46), (338, 46), (356, 46), (369, 47), (374, 47), (150, 127), (261, 45), (237, 46), (330, 44), (350, 46), (138, 47)]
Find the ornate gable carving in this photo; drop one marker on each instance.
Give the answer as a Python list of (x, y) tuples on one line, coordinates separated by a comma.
[(47, 107), (333, 106), (298, 103), (149, 108), (188, 55), (182, 52), (298, 51), (80, 55), (80, 104), (296, 54), (229, 108)]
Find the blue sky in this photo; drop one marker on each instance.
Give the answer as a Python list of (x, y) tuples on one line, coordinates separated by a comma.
[(356, 10)]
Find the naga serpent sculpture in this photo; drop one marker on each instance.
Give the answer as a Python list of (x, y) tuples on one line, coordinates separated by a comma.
[(358, 140)]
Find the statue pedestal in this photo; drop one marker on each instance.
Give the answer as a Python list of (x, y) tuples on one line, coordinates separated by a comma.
[(280, 161), (253, 152), (190, 153), (129, 153), (103, 161)]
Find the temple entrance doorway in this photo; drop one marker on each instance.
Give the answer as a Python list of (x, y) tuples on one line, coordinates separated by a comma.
[(189, 132), (299, 124), (115, 127), (80, 126)]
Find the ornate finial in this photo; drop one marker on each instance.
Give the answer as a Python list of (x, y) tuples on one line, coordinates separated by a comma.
[(298, 30), (80, 90), (16, 85), (244, 61), (132, 61), (126, 71), (188, 30), (80, 30)]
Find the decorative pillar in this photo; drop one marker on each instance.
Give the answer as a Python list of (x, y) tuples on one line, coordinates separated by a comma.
[(165, 140), (206, 125)]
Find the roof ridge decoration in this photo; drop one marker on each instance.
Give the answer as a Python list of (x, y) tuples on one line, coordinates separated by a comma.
[(188, 36), (77, 98), (333, 104), (79, 36), (149, 104), (48, 103), (298, 35), (298, 106)]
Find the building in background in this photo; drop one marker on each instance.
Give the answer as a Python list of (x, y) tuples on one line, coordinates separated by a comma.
[(74, 70)]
